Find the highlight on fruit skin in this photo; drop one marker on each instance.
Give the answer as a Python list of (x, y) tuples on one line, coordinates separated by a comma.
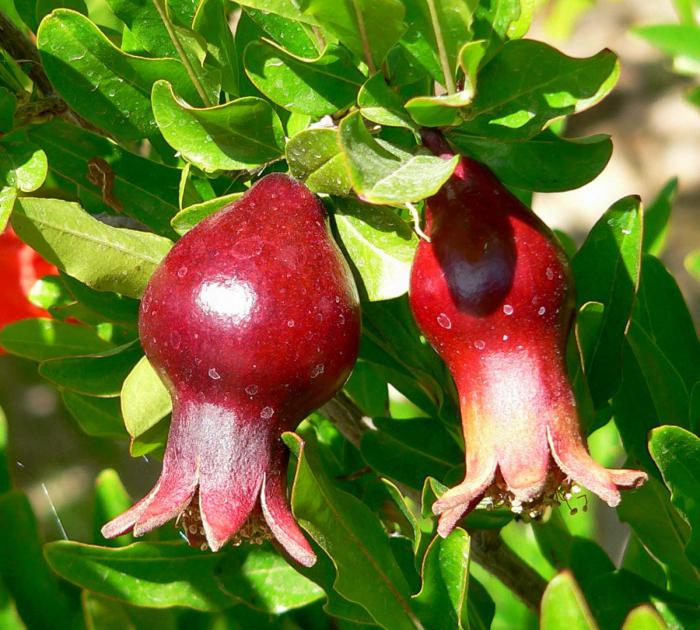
[(252, 321), (492, 293)]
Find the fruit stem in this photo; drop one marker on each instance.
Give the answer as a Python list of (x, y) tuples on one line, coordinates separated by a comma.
[(435, 141)]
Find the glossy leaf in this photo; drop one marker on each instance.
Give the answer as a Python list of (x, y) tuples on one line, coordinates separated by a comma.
[(544, 163), (314, 157), (125, 182), (387, 175), (188, 217), (528, 84), (644, 618), (411, 450), (40, 339), (111, 499), (210, 21), (563, 606), (442, 600), (663, 531), (355, 540), (240, 134), (606, 269), (26, 575), (677, 454), (109, 88), (292, 35), (154, 575), (382, 21), (106, 304), (656, 218), (266, 581), (379, 103), (99, 417), (444, 110), (144, 399), (103, 257), (97, 375), (380, 244), (316, 87)]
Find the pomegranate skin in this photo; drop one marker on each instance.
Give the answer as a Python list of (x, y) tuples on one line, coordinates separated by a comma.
[(493, 294), (252, 321)]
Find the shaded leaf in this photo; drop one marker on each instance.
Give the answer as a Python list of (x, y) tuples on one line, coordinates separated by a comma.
[(314, 157), (40, 339), (99, 417), (111, 499), (563, 605), (379, 103), (656, 218)]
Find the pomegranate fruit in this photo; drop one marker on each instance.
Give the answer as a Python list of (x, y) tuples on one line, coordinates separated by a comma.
[(252, 321), (492, 293), (20, 268)]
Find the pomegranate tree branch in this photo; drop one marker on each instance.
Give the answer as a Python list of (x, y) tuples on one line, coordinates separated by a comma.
[(487, 547)]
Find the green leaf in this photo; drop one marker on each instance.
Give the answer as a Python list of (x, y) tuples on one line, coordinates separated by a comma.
[(107, 614), (692, 263), (26, 575), (144, 399), (240, 134), (99, 417), (295, 37), (682, 41), (444, 110), (188, 217), (151, 441), (266, 581), (103, 257), (5, 481), (8, 103), (606, 269), (153, 575), (410, 450), (383, 174), (143, 189), (382, 21), (9, 617), (380, 244), (663, 532), (563, 606), (109, 88), (677, 454), (316, 87), (111, 499), (644, 618), (107, 304), (40, 339), (529, 84), (210, 21), (97, 375), (314, 157), (23, 167), (354, 539), (438, 30), (442, 600), (656, 218), (49, 292), (379, 103), (545, 163)]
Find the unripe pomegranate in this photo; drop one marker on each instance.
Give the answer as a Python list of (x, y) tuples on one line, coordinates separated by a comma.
[(492, 292), (252, 321)]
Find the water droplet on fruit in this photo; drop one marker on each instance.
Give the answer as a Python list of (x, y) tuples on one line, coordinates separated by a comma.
[(213, 374), (541, 310), (318, 370), (267, 413), (507, 309), (290, 323), (182, 271), (479, 344), (549, 273), (505, 337), (444, 321), (251, 390)]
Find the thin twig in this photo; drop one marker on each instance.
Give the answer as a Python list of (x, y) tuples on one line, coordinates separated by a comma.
[(487, 547), (363, 38), (181, 53)]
